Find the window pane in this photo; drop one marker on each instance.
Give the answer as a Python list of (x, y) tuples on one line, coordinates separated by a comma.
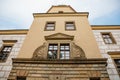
[(67, 57), (50, 48), (4, 52), (65, 51), (70, 26), (55, 47), (62, 55), (52, 54), (62, 48), (107, 38), (66, 47), (50, 26), (52, 51)]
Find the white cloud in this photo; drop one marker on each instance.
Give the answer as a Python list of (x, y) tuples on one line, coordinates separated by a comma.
[(20, 11), (96, 8)]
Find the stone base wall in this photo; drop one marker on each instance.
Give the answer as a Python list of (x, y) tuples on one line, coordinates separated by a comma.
[(105, 48), (5, 67), (59, 69)]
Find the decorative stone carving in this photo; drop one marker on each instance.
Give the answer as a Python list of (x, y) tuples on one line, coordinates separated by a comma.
[(59, 36), (77, 52), (22, 73), (40, 52)]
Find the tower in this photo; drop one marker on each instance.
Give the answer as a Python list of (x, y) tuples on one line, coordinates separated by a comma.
[(60, 45)]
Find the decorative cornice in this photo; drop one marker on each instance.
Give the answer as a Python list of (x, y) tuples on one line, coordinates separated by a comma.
[(13, 32), (9, 41), (25, 31), (105, 27), (59, 36), (58, 61), (60, 14), (114, 53)]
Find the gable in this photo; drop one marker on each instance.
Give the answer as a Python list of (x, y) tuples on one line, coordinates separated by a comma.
[(59, 8), (59, 36)]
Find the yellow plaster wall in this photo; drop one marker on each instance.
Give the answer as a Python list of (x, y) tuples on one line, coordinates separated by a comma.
[(83, 35), (56, 9)]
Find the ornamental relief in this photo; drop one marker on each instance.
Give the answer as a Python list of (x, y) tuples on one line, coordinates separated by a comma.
[(40, 52), (77, 52)]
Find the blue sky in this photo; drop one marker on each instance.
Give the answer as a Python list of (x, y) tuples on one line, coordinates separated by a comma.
[(17, 14)]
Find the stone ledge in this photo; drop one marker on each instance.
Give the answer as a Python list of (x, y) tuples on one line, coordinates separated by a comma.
[(57, 61)]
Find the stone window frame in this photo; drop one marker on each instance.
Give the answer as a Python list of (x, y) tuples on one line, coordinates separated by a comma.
[(7, 43), (111, 37), (115, 55), (58, 42), (5, 53), (117, 65), (73, 25), (47, 26)]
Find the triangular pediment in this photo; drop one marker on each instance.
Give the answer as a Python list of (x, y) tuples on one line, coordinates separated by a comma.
[(59, 36)]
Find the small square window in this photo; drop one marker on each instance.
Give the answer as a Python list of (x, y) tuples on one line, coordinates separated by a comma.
[(50, 26), (108, 38), (69, 26), (5, 52)]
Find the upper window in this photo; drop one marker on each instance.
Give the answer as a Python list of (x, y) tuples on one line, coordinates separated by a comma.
[(58, 51), (5, 52), (50, 26), (108, 38), (69, 26)]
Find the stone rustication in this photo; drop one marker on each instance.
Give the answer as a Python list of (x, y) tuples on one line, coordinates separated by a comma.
[(76, 69)]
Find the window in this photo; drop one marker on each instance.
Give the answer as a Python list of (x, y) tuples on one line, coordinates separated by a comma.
[(117, 62), (115, 55), (52, 51), (69, 26), (21, 78), (58, 51), (50, 26), (108, 38), (64, 51), (5, 52), (94, 78)]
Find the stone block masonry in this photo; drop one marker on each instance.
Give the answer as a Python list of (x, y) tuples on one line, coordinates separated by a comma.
[(59, 69)]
